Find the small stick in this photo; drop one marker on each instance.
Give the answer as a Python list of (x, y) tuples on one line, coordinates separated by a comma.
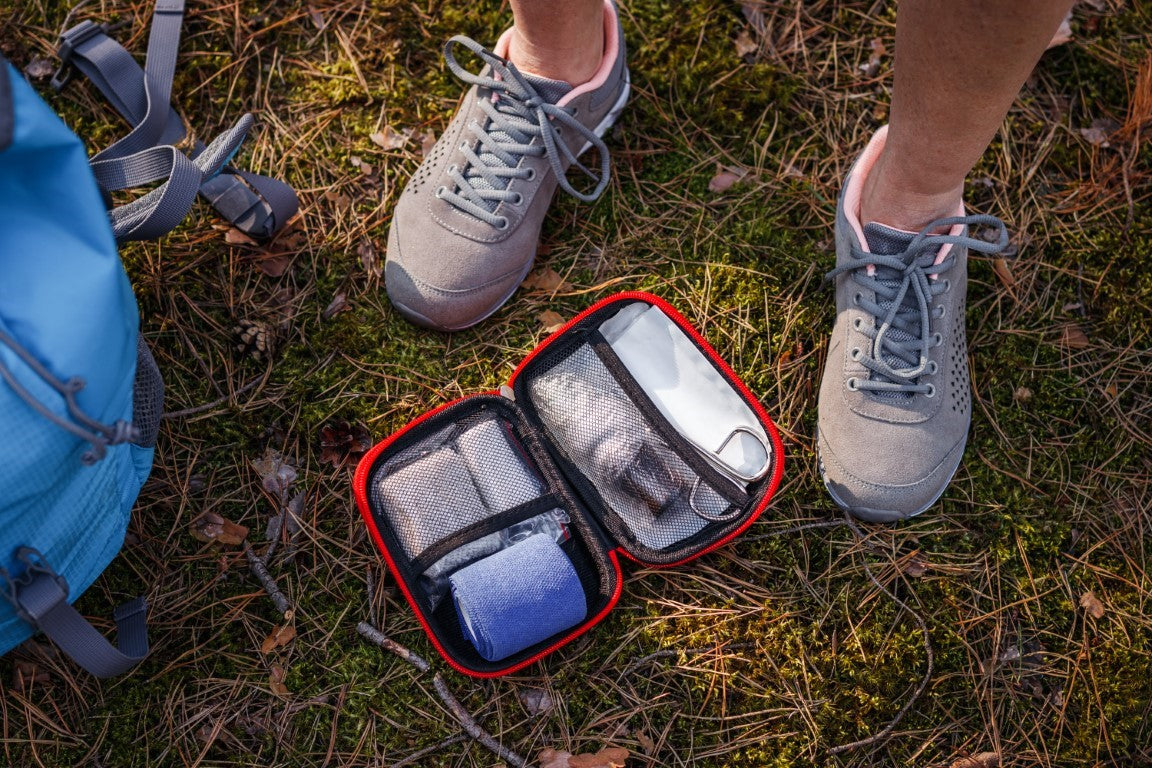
[(471, 727), (260, 569), (209, 406), (415, 757)]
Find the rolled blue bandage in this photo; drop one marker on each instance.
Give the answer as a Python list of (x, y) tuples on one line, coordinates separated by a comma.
[(517, 597)]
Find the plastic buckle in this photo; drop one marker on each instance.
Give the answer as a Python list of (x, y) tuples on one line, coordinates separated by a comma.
[(34, 567), (70, 40)]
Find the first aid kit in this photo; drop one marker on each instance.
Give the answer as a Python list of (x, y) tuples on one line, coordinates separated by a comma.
[(504, 515)]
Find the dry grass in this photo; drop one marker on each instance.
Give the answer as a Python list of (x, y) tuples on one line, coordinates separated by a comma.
[(768, 653)]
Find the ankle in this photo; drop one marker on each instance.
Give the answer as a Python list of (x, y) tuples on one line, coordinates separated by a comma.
[(889, 200), (574, 65)]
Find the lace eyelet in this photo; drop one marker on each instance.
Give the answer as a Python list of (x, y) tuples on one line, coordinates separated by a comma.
[(852, 384), (517, 200), (452, 169), (855, 353), (947, 285), (439, 193), (856, 299), (933, 368), (942, 312), (503, 223), (857, 323), (937, 339), (931, 391)]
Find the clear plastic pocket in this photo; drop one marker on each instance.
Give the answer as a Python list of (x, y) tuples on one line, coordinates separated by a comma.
[(660, 489)]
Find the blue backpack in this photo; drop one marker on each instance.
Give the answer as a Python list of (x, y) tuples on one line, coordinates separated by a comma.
[(81, 396)]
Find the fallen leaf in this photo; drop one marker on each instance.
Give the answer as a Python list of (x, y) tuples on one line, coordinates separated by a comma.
[(1100, 131), (546, 280), (1063, 33), (279, 638), (646, 742), (726, 178), (982, 760), (39, 68), (537, 701), (338, 304), (1073, 337), (287, 521), (273, 265), (753, 11), (552, 321), (276, 680), (210, 527), (317, 18), (1092, 604), (276, 474), (550, 758), (1112, 390), (390, 138), (235, 237), (1011, 653), (609, 757), (915, 566), (427, 141), (368, 259), (1004, 272), (746, 47)]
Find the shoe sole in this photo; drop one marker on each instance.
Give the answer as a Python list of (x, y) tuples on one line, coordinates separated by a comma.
[(885, 515), (602, 128)]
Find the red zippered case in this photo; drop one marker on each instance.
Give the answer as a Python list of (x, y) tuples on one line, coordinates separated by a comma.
[(533, 422)]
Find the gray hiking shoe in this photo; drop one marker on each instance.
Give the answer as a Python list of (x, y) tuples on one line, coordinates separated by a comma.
[(465, 230), (894, 404)]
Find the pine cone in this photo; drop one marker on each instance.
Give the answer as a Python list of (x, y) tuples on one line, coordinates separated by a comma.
[(255, 338), (343, 444)]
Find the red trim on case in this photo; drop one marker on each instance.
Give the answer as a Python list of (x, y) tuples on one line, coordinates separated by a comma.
[(752, 400), (360, 489), (363, 469)]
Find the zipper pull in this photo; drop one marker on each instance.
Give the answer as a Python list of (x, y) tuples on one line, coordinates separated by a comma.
[(507, 393)]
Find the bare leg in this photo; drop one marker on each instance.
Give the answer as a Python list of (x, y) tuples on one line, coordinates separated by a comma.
[(558, 39), (959, 66)]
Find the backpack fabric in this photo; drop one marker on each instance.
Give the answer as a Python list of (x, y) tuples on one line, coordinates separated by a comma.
[(80, 395), (80, 402)]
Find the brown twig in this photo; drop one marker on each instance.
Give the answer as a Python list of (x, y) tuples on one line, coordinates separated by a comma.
[(209, 406), (260, 569), (886, 730), (413, 758), (471, 727)]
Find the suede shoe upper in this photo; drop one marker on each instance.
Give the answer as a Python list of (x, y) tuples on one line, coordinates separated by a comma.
[(465, 230), (894, 403)]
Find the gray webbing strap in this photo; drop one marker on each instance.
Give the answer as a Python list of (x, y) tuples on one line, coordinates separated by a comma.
[(40, 597), (162, 209), (159, 69), (257, 205)]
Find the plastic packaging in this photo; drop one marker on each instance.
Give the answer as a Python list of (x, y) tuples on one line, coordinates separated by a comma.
[(434, 580), (689, 391)]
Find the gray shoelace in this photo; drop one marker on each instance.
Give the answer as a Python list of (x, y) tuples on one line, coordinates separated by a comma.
[(905, 296), (516, 117)]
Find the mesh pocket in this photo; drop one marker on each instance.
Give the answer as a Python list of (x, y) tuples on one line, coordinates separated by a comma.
[(147, 395), (639, 476), (458, 476)]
